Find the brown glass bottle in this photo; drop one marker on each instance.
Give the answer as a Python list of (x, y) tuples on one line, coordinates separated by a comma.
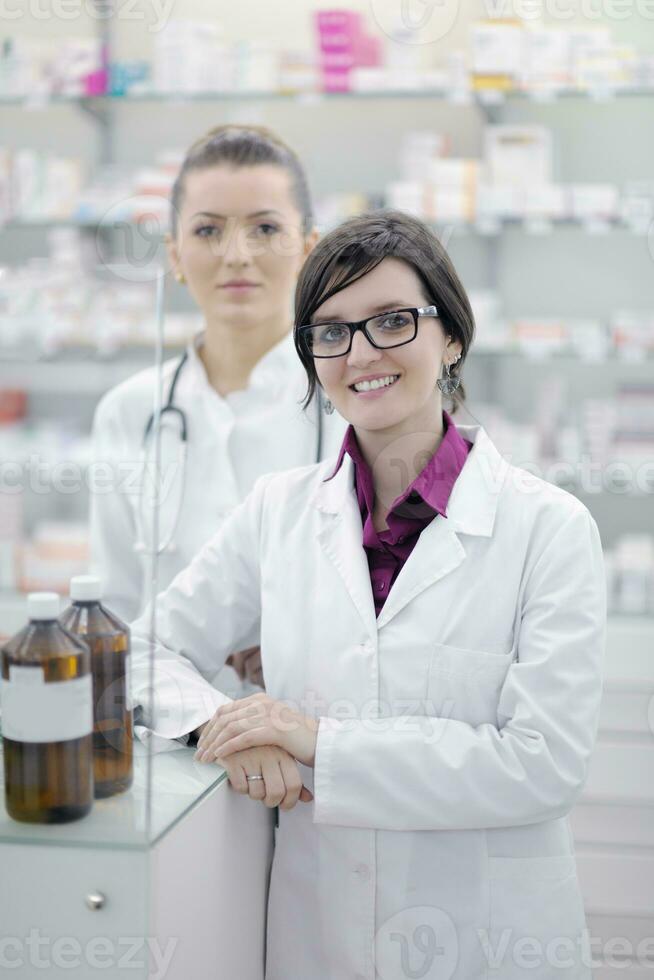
[(47, 719), (109, 642)]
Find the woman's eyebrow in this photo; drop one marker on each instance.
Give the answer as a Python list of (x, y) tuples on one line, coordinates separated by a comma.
[(255, 214), (386, 307)]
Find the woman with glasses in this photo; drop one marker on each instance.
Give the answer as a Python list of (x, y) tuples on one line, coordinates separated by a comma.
[(432, 623)]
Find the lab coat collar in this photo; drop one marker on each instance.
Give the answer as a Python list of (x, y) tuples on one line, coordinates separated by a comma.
[(471, 510), (473, 501), (196, 368), (271, 372)]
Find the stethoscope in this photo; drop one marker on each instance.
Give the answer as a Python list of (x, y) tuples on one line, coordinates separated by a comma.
[(167, 544)]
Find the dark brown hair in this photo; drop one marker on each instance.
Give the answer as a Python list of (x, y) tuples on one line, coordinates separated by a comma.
[(244, 146), (355, 248)]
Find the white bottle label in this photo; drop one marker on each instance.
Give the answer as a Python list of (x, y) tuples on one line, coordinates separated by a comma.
[(36, 711)]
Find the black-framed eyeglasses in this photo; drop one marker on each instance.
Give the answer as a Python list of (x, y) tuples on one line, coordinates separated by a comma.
[(391, 329)]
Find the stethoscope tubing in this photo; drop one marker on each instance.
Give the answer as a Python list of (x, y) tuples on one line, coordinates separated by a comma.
[(170, 407)]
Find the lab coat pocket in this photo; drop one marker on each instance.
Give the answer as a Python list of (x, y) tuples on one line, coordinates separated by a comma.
[(465, 685), (536, 920)]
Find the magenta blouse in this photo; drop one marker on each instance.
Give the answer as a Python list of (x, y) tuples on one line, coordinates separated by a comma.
[(411, 512)]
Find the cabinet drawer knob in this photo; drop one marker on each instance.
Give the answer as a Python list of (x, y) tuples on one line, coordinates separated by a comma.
[(95, 900)]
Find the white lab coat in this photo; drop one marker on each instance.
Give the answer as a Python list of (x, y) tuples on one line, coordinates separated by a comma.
[(456, 729), (231, 442)]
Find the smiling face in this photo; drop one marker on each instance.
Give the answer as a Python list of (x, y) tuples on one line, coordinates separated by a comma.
[(239, 242), (411, 401)]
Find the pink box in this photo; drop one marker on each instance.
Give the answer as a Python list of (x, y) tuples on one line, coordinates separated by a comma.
[(338, 30), (370, 52), (336, 60), (336, 80), (96, 82), (338, 20)]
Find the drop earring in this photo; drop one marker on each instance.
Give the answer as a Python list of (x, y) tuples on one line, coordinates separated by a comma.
[(328, 408), (448, 384)]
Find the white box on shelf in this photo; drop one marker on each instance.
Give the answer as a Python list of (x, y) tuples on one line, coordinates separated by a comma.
[(407, 196), (419, 150), (497, 47), (548, 201), (449, 204), (499, 202), (591, 201), (518, 154), (546, 58)]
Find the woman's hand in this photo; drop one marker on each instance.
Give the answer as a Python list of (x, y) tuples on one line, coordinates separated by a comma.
[(247, 663), (281, 784), (255, 721)]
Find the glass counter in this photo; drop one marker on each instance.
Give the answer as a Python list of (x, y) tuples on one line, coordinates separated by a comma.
[(135, 818)]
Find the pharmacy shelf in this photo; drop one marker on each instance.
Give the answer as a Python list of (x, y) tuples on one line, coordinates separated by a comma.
[(15, 224), (484, 227), (617, 360), (90, 375), (463, 96)]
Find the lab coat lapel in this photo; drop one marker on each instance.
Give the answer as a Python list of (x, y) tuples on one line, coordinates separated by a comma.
[(341, 538), (470, 510), (437, 552)]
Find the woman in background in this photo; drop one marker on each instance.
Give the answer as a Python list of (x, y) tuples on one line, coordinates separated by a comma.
[(241, 227)]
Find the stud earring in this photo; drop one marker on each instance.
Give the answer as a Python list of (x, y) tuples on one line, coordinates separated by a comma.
[(448, 384), (180, 277), (328, 408)]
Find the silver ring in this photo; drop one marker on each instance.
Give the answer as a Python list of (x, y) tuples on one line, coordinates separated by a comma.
[(254, 777)]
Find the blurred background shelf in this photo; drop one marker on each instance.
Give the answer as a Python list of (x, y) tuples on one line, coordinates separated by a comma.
[(462, 96)]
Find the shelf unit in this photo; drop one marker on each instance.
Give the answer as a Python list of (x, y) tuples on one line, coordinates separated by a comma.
[(612, 823), (491, 242), (462, 96), (487, 227)]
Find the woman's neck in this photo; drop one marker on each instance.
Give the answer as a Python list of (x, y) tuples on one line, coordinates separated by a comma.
[(396, 456), (230, 352)]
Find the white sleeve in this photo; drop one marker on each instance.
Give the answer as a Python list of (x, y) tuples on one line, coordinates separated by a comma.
[(207, 612), (444, 774), (113, 530)]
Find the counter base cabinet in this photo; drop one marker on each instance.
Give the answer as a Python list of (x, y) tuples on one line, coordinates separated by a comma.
[(192, 905)]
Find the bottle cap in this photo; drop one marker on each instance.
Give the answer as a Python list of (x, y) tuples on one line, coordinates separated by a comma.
[(85, 588), (43, 605)]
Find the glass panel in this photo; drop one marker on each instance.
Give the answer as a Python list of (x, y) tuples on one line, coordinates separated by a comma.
[(79, 328)]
